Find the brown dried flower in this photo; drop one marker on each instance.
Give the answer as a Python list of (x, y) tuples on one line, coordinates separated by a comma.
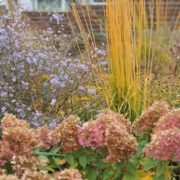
[(17, 138), (147, 121), (47, 138), (11, 121), (8, 177), (3, 171), (21, 164), (21, 140), (119, 141), (120, 144), (67, 131), (68, 174), (35, 175)]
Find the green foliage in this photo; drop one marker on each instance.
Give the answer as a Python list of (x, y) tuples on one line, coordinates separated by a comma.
[(89, 162), (165, 88)]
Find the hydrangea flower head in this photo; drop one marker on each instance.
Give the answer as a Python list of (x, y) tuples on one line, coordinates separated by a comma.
[(47, 138), (67, 132), (91, 134), (107, 117), (171, 120), (119, 141), (147, 121), (17, 138), (164, 145)]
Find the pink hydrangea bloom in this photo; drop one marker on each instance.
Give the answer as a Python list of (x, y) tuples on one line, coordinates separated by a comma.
[(171, 120), (147, 121), (91, 134), (165, 145)]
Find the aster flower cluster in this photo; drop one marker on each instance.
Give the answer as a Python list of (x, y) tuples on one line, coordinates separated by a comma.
[(38, 80), (165, 140), (147, 121)]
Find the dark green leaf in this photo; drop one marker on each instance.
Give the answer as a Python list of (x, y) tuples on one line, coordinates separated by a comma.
[(131, 168), (128, 176), (160, 170), (148, 163), (70, 159), (120, 165), (161, 177), (91, 174), (83, 161), (55, 150), (9, 168), (99, 164)]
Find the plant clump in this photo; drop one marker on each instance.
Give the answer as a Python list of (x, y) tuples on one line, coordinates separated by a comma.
[(104, 144)]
